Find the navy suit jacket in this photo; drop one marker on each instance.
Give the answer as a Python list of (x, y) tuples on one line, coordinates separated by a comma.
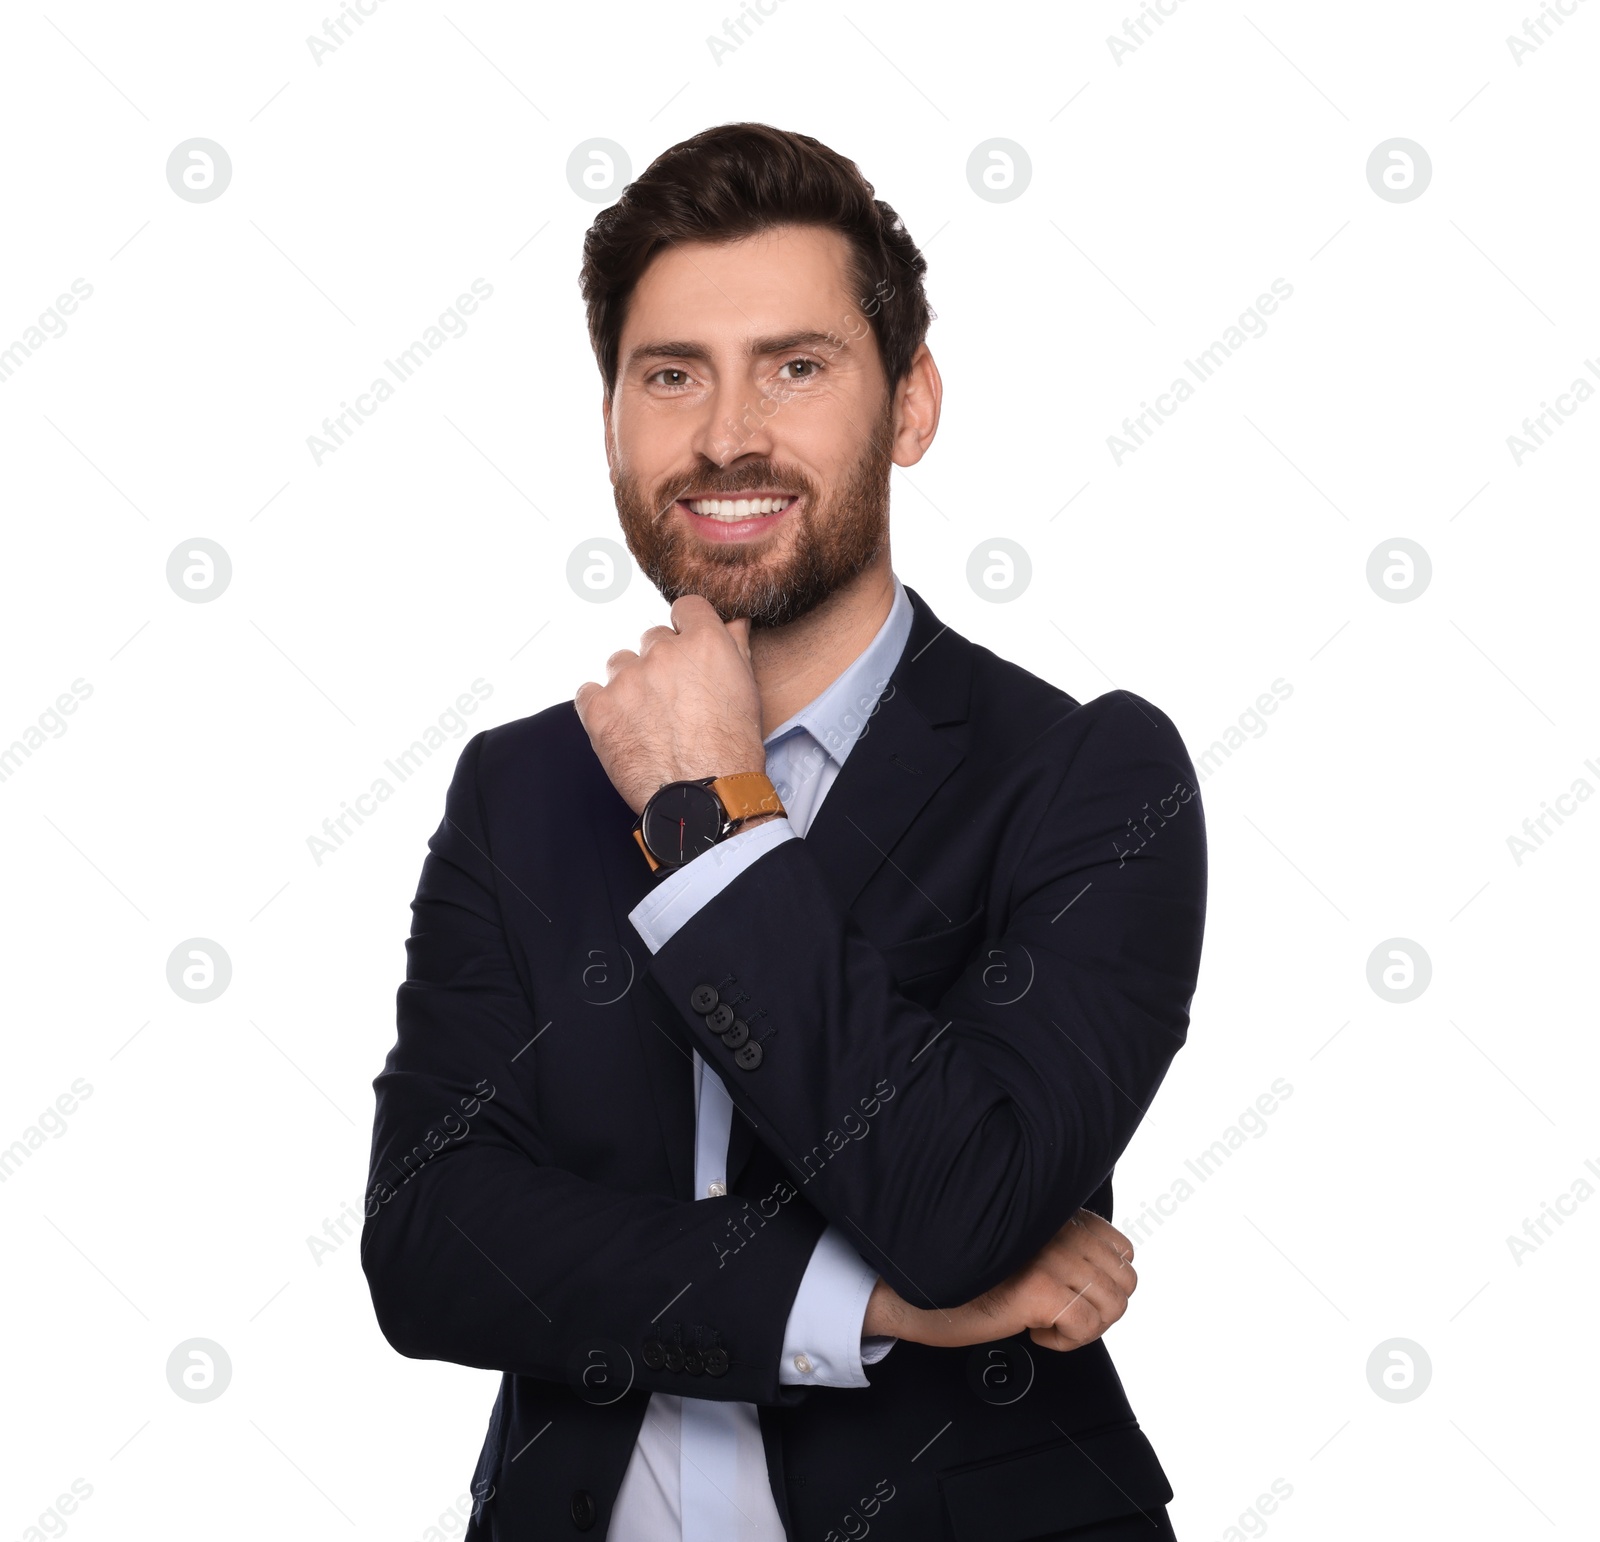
[(967, 983)]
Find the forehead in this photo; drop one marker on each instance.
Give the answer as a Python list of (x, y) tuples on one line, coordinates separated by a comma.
[(783, 276)]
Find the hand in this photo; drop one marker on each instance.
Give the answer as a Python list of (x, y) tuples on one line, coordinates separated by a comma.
[(1066, 1297), (686, 705)]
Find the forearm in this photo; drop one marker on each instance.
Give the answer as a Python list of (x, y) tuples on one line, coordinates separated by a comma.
[(990, 1119), (486, 1259), (480, 1246), (977, 1144), (889, 1313)]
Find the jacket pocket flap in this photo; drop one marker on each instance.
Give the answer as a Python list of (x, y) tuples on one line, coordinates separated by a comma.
[(1078, 1481), (938, 950)]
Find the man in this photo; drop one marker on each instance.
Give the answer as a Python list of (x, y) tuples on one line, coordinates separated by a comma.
[(779, 1009)]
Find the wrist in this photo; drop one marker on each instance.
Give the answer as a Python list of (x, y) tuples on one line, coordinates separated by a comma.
[(888, 1314), (682, 819)]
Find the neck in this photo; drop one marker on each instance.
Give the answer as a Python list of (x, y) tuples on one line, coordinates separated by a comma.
[(794, 664)]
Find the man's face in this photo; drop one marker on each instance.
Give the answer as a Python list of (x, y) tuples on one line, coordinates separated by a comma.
[(749, 436)]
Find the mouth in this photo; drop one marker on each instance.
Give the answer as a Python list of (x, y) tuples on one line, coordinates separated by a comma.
[(737, 517)]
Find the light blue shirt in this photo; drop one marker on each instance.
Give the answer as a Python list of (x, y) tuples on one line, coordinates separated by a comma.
[(699, 1470)]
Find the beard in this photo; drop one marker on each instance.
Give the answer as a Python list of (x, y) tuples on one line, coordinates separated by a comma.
[(831, 538)]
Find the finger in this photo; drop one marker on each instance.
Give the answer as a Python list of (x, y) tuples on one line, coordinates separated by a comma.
[(584, 693), (739, 631), (1075, 1263), (1050, 1338), (619, 661), (693, 612), (1099, 1245), (1086, 1304), (1097, 1227), (652, 636), (1105, 1254), (1097, 1251)]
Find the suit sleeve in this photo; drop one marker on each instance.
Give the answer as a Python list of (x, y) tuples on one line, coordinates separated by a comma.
[(991, 1118), (824, 1327), (481, 1249)]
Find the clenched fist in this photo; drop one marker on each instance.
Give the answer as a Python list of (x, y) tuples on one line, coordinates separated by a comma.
[(685, 706)]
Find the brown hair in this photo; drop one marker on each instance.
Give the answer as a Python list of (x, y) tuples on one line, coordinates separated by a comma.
[(737, 179)]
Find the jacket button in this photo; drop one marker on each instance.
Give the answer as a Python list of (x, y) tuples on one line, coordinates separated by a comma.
[(672, 1357), (716, 1359), (748, 1056), (703, 998), (720, 1019), (653, 1354), (737, 1034), (583, 1511)]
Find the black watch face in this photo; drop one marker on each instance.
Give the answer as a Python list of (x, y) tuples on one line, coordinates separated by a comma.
[(680, 822)]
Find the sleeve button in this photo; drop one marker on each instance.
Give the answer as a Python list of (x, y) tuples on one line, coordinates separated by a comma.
[(748, 1056), (720, 1019), (703, 998)]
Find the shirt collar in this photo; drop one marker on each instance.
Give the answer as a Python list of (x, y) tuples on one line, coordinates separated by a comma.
[(837, 717)]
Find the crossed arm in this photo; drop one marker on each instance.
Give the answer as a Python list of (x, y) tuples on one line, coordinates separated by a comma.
[(1009, 1109), (480, 1249)]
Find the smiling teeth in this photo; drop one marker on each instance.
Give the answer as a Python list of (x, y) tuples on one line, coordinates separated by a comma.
[(737, 508)]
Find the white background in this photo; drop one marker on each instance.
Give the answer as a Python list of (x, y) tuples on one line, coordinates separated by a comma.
[(1168, 190)]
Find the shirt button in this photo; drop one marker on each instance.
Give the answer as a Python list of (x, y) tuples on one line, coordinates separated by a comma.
[(716, 1189), (802, 1363)]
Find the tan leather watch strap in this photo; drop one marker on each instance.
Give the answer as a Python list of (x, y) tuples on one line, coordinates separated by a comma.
[(746, 794), (638, 835)]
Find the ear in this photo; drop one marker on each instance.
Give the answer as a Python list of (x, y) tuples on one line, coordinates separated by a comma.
[(916, 409)]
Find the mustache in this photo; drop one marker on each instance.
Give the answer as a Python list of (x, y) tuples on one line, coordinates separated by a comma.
[(746, 479)]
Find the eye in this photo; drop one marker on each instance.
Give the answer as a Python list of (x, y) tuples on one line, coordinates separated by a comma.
[(811, 366), (674, 384)]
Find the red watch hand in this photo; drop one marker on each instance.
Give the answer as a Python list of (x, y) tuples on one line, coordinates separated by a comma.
[(680, 838)]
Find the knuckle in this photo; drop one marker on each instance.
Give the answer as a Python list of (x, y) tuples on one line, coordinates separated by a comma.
[(1081, 1319)]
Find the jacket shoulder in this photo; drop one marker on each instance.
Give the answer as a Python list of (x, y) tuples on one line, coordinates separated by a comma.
[(548, 747), (1013, 710)]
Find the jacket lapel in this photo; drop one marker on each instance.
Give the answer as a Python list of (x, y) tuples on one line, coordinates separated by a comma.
[(913, 742), (899, 761)]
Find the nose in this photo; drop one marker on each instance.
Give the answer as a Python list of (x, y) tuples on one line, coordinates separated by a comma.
[(736, 420)]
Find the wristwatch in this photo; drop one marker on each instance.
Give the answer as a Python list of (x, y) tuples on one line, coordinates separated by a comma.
[(683, 819)]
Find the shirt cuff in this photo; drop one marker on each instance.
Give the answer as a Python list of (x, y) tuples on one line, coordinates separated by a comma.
[(679, 895), (823, 1345)]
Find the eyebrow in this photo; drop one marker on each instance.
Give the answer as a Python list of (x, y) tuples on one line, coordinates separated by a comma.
[(759, 347)]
